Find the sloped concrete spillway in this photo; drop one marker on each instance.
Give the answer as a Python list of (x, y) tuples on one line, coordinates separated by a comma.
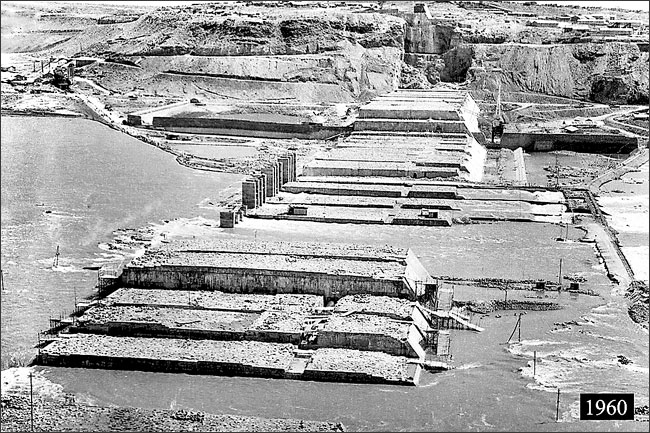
[(233, 307)]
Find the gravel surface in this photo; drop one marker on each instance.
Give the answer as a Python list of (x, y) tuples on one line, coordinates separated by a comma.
[(215, 299), (373, 363), (381, 305), (287, 248), (280, 321), (367, 324), (272, 262), (258, 354), (171, 317), (70, 416)]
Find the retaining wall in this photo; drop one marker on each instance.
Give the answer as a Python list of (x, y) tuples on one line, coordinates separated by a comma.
[(247, 280), (358, 377), (250, 128), (217, 368), (441, 126), (148, 329), (164, 365)]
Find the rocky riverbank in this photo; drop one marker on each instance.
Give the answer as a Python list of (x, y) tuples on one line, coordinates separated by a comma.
[(638, 310), (67, 415)]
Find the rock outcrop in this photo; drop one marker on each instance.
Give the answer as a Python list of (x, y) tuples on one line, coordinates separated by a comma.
[(610, 72), (361, 53)]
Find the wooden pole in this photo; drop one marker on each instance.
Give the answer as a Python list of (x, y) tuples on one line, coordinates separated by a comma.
[(519, 336), (56, 257), (559, 276), (557, 406), (534, 363), (31, 400)]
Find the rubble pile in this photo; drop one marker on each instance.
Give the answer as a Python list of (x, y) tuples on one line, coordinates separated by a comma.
[(367, 324), (72, 416), (380, 305), (371, 363), (257, 354)]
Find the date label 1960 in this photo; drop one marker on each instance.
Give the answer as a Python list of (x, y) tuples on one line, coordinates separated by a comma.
[(606, 407)]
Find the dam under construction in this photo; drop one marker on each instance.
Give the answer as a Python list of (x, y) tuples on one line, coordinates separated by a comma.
[(326, 311), (323, 216), (307, 311)]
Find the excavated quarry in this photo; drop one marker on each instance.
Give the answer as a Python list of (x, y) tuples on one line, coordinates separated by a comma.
[(254, 52)]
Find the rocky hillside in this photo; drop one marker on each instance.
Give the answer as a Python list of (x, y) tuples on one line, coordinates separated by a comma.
[(608, 72), (361, 53), (455, 44)]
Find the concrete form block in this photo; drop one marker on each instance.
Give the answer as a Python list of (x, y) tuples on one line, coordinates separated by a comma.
[(292, 166), (262, 187), (270, 181), (276, 170), (284, 169), (227, 219), (258, 192), (249, 194)]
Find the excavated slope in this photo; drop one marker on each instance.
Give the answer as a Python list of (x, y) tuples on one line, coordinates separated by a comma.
[(610, 72), (358, 52)]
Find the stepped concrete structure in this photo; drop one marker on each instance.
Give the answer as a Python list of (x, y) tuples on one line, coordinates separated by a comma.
[(410, 133), (303, 311), (413, 159), (328, 270)]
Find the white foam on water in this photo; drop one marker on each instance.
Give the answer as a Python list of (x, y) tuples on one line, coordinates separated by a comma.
[(15, 381), (573, 414), (609, 337), (469, 366), (485, 423), (67, 269), (429, 385)]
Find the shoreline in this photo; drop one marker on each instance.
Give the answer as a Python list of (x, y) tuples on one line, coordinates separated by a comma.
[(93, 115), (65, 414)]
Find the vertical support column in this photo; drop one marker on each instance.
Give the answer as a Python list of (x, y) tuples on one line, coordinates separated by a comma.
[(248, 194), (276, 181), (258, 192), (292, 166), (264, 181), (227, 219), (295, 169), (284, 169), (270, 179)]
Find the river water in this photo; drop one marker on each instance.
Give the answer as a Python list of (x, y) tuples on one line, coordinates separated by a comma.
[(107, 181), (70, 183)]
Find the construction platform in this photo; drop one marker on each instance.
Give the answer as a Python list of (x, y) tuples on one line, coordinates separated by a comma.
[(328, 270), (375, 317)]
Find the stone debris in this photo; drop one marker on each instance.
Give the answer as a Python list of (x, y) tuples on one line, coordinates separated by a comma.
[(270, 262), (71, 416), (378, 364), (367, 324), (279, 321), (288, 248), (253, 353), (215, 300), (380, 305), (170, 317)]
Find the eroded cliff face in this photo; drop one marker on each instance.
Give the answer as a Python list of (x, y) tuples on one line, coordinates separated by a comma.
[(360, 52), (611, 72)]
